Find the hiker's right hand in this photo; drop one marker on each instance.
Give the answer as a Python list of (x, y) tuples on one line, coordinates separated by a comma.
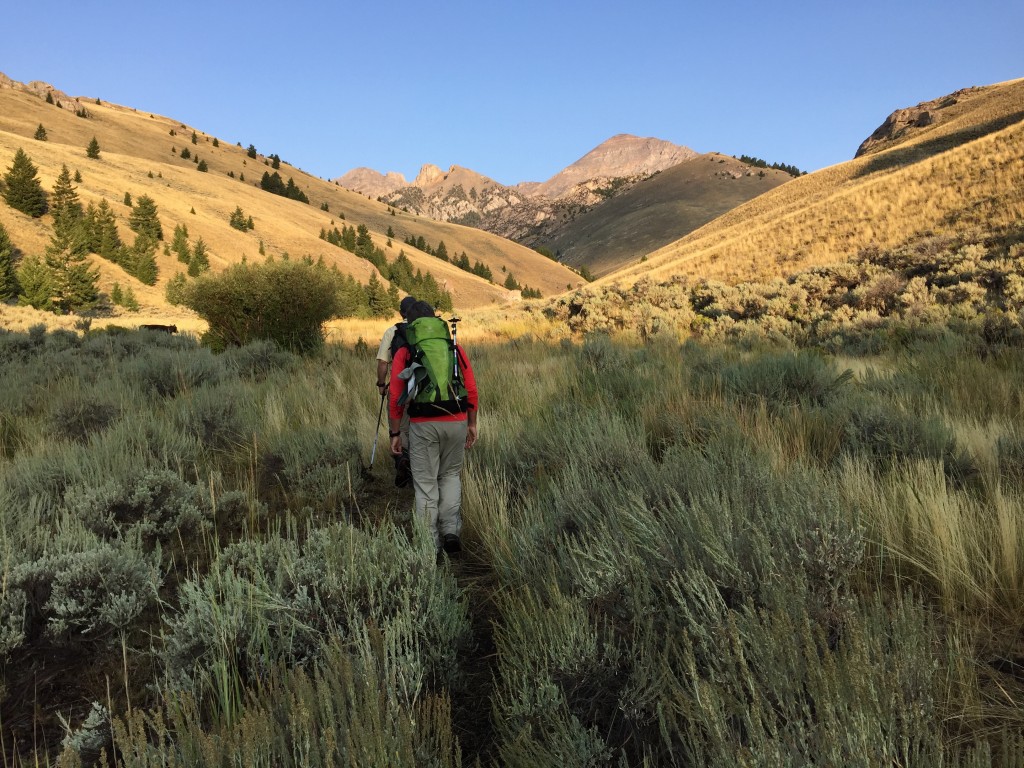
[(396, 445), (470, 435)]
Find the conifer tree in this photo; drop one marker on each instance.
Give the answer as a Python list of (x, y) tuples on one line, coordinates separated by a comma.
[(22, 188), (93, 150), (144, 218), (8, 274), (35, 282), (200, 262), (40, 133), (49, 97), (175, 290), (377, 297), (116, 295), (179, 244), (73, 278), (237, 219), (142, 259), (129, 301), (106, 238), (128, 199), (64, 203)]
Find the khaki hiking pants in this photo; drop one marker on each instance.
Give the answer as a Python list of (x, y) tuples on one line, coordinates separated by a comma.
[(436, 449)]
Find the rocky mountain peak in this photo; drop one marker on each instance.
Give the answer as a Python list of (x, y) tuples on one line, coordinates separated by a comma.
[(429, 174), (623, 155)]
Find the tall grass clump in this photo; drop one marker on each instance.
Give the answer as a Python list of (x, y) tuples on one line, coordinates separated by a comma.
[(687, 579)]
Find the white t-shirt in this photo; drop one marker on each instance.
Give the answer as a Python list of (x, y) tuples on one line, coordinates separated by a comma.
[(384, 353)]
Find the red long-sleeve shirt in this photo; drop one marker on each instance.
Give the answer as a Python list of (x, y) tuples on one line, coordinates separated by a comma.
[(397, 387)]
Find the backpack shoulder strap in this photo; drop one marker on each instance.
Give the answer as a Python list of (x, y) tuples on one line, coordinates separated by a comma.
[(399, 340)]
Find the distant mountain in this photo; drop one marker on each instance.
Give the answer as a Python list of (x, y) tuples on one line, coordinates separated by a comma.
[(622, 156), (658, 211), (571, 214)]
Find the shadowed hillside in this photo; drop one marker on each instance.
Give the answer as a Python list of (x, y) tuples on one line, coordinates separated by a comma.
[(659, 211)]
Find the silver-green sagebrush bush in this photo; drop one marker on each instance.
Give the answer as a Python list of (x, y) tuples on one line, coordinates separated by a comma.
[(274, 601)]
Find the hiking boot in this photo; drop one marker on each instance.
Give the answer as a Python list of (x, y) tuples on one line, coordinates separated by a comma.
[(403, 471), (452, 544)]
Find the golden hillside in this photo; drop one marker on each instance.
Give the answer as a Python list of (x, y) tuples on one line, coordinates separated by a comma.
[(964, 171), (140, 155)]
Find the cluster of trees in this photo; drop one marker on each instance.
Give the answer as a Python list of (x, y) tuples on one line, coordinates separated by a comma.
[(240, 221), (195, 257), (757, 162), (400, 273), (478, 268), (63, 279), (272, 182)]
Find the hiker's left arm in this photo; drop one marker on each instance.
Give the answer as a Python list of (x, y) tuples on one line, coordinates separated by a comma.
[(469, 380)]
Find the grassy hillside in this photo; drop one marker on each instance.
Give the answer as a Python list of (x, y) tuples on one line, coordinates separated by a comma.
[(963, 172), (137, 157), (659, 211)]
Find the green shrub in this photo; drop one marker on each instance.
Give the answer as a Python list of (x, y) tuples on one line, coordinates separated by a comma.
[(286, 302), (276, 601), (154, 504), (79, 418)]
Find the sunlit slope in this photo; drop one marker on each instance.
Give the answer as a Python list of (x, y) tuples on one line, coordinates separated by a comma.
[(137, 158), (964, 171)]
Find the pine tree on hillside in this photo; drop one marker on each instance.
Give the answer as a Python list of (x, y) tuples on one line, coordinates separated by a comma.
[(377, 297), (8, 275), (36, 283), (237, 219), (144, 218), (199, 262), (93, 150), (179, 244), (22, 189), (142, 259), (175, 290), (73, 278), (106, 240), (64, 203), (40, 134)]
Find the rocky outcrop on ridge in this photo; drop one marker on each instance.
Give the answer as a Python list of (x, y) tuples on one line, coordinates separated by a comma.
[(904, 123)]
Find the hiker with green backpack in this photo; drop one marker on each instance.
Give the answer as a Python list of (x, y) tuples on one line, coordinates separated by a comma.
[(432, 380)]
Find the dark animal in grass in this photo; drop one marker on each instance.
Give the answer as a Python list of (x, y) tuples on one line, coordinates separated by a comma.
[(164, 328)]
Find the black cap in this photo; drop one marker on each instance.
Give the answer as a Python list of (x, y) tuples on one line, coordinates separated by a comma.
[(406, 305)]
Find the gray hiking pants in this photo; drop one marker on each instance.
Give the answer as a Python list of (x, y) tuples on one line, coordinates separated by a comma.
[(436, 449)]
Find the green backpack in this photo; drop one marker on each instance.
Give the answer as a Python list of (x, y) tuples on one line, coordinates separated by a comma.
[(433, 380)]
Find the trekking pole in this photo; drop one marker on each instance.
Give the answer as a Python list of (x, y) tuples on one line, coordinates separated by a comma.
[(380, 413), (454, 323)]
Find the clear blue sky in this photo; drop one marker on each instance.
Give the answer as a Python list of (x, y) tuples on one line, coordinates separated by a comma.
[(521, 90)]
